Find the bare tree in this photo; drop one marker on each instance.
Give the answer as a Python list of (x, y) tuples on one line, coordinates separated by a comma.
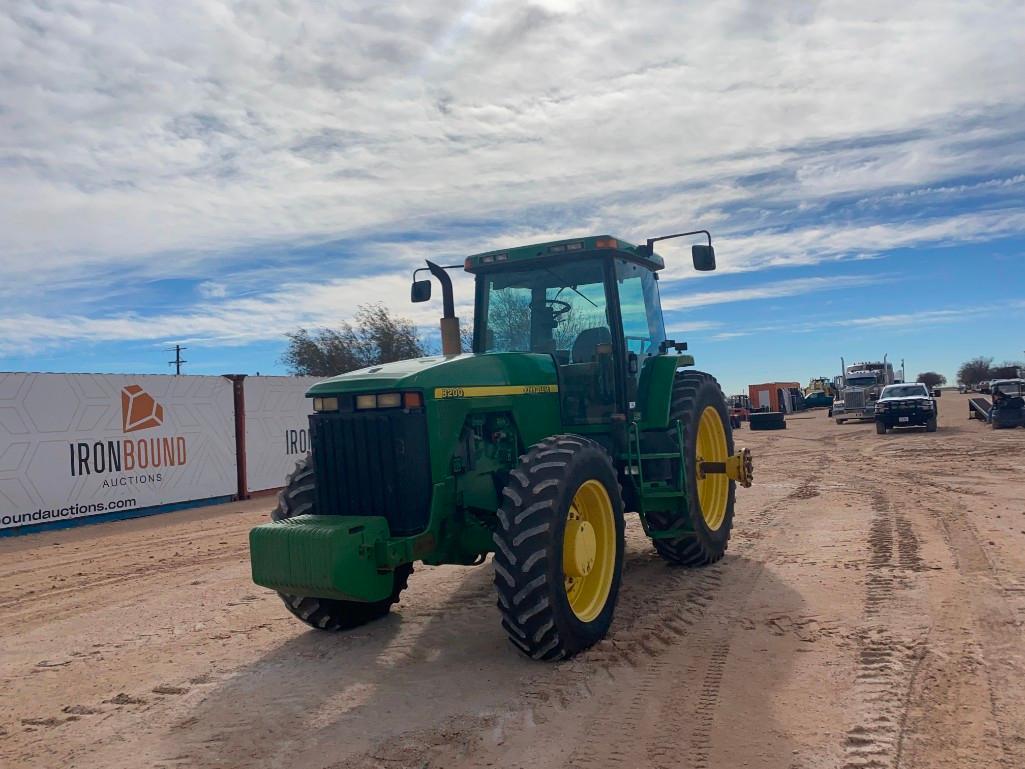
[(931, 379), (509, 320), (374, 337), (974, 371)]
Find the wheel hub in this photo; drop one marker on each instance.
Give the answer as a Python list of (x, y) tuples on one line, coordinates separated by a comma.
[(580, 548)]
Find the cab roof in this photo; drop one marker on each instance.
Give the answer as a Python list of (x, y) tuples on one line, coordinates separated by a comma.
[(592, 245)]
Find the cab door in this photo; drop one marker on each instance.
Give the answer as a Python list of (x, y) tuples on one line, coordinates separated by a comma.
[(640, 310)]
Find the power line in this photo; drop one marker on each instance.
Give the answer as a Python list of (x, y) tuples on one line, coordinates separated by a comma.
[(177, 362)]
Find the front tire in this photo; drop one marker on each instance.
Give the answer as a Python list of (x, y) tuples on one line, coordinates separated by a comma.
[(299, 498), (559, 548), (708, 512), (930, 426), (880, 428)]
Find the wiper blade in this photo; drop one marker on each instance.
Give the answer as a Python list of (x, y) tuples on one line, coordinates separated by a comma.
[(571, 288)]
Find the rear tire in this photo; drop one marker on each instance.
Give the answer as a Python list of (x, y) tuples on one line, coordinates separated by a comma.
[(693, 393), (299, 498), (558, 486)]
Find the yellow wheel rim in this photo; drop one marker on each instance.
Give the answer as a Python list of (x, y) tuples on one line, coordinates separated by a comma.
[(714, 488), (589, 550)]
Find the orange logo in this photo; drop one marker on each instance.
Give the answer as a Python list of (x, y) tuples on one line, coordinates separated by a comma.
[(138, 409)]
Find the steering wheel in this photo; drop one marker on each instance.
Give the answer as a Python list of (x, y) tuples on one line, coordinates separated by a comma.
[(559, 308)]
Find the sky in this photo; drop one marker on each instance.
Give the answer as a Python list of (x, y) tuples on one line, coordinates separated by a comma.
[(217, 174)]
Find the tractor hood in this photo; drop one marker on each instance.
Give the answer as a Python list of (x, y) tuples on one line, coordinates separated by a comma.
[(453, 371)]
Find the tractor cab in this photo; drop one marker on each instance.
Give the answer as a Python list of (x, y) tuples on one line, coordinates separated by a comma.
[(590, 303), (595, 310)]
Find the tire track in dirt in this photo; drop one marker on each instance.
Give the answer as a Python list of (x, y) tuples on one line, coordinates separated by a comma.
[(672, 704), (96, 550), (682, 710), (39, 599), (887, 659), (703, 717), (997, 629)]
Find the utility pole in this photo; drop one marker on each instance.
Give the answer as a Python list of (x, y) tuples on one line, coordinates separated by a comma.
[(903, 376), (177, 362)]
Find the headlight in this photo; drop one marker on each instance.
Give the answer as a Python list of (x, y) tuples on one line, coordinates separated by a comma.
[(383, 401), (926, 404), (389, 400), (325, 404)]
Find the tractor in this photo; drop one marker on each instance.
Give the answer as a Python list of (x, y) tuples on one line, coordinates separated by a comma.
[(572, 408)]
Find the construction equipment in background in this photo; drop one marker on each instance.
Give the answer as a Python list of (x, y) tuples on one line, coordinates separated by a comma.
[(740, 409), (1007, 408), (979, 408), (572, 409), (860, 386), (821, 384)]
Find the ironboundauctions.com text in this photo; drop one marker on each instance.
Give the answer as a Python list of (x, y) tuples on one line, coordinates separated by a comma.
[(71, 511)]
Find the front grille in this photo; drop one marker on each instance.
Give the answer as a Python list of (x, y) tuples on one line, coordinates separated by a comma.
[(854, 399), (373, 463)]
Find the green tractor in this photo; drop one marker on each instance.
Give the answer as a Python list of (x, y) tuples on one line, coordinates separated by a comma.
[(572, 409)]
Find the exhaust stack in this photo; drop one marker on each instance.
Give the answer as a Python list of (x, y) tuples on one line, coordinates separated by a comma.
[(451, 344)]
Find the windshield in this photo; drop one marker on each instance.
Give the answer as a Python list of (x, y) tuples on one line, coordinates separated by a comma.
[(905, 391), (1009, 388), (861, 381), (550, 309)]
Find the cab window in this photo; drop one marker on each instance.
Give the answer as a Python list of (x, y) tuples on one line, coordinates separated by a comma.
[(559, 309), (643, 327)]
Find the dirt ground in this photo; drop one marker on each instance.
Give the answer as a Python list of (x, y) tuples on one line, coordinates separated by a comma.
[(869, 613)]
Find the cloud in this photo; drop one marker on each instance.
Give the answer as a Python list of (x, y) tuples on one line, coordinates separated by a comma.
[(292, 152), (210, 289), (897, 321), (221, 323), (784, 288)]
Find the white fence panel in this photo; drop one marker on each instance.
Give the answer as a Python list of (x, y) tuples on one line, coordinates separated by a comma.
[(277, 428), (74, 445)]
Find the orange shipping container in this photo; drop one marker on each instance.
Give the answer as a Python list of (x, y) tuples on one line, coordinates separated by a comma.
[(773, 395)]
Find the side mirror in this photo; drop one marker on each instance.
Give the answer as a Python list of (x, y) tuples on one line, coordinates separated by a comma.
[(704, 258), (420, 291), (936, 393)]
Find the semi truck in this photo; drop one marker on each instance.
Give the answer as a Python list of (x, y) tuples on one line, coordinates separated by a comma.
[(859, 389)]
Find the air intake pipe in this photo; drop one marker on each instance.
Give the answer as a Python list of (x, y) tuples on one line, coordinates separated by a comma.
[(451, 344)]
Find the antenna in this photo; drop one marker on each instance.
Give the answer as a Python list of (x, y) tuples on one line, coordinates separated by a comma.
[(177, 362)]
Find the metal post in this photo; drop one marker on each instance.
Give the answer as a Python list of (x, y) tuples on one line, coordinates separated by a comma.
[(239, 392)]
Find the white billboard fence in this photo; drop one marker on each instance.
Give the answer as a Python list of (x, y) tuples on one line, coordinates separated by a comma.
[(277, 428), (98, 446)]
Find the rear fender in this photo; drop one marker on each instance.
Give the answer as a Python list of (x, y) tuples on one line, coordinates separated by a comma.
[(655, 390)]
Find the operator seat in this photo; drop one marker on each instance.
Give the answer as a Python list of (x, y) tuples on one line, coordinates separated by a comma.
[(585, 346)]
